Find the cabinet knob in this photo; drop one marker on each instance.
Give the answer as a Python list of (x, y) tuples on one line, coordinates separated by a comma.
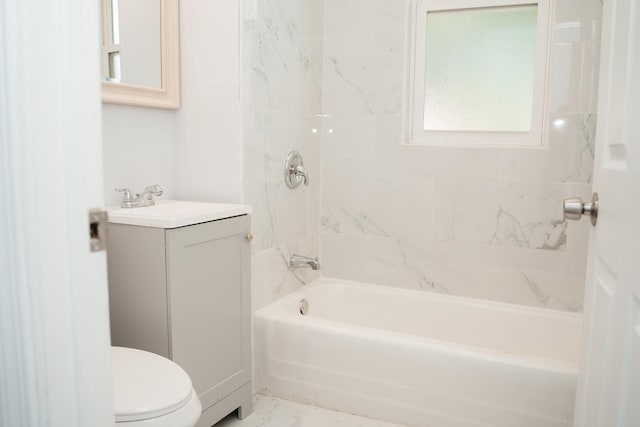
[(250, 237)]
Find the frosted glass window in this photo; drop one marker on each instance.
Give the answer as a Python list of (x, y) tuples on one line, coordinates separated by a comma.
[(479, 69)]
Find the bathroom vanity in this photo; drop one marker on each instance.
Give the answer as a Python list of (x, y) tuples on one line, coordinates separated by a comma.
[(179, 287)]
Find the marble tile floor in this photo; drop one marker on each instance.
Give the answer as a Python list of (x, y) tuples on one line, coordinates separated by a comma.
[(270, 412)]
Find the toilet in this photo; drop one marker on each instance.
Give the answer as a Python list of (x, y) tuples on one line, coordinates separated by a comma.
[(151, 391)]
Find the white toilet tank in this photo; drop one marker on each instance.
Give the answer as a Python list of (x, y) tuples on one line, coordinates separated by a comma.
[(152, 389)]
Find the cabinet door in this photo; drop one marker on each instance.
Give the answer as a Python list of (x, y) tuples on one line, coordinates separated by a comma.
[(209, 305)]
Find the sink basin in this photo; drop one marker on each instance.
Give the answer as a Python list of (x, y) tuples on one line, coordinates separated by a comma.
[(175, 213)]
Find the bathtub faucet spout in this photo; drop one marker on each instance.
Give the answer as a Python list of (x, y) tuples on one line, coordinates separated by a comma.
[(298, 261)]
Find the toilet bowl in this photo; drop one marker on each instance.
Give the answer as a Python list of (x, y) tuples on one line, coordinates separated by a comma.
[(151, 391)]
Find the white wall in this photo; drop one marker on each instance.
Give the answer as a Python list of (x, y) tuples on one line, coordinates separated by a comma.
[(195, 152), (137, 146), (208, 158)]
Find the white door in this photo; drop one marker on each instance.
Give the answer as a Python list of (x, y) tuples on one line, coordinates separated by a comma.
[(609, 383), (54, 331)]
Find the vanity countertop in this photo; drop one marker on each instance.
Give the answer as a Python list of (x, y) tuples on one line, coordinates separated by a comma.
[(175, 213)]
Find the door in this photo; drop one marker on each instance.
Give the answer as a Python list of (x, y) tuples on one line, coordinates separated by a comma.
[(609, 383), (54, 342)]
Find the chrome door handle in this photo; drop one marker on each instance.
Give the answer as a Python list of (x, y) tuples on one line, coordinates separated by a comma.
[(574, 208)]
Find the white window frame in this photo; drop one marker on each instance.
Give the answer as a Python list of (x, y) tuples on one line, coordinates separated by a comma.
[(417, 135)]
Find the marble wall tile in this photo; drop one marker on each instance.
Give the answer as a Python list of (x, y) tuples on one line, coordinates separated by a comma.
[(269, 136), (518, 215), (365, 26), (258, 195), (281, 215), (253, 147), (531, 277), (363, 57), (395, 158), (283, 54), (362, 83), (481, 222), (344, 256), (284, 132), (384, 206), (290, 213), (389, 26), (346, 210), (281, 93), (575, 54), (271, 276), (475, 270), (567, 156), (574, 86), (348, 147), (411, 263), (349, 21), (403, 207), (510, 285)]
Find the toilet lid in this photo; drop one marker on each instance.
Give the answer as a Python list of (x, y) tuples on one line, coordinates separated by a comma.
[(146, 385)]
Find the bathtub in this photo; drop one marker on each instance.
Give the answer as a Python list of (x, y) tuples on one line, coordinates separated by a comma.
[(417, 358)]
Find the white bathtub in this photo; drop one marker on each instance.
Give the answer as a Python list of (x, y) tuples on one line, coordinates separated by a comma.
[(418, 358)]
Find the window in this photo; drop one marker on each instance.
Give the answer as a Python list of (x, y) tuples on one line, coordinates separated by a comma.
[(478, 72)]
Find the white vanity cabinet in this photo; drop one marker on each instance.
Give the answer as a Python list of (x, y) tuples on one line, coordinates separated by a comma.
[(184, 293)]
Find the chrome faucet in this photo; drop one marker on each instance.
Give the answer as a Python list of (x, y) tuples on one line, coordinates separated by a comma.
[(299, 261), (141, 200)]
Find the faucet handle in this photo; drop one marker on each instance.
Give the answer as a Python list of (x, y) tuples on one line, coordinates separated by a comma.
[(128, 199), (127, 196)]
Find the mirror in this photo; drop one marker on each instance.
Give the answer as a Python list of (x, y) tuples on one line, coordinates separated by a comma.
[(140, 53)]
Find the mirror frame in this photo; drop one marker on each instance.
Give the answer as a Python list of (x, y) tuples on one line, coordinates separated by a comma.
[(167, 96)]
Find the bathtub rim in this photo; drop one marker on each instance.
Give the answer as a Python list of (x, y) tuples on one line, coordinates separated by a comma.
[(477, 302)]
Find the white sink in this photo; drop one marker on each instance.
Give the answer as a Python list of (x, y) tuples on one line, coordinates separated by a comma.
[(175, 213)]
